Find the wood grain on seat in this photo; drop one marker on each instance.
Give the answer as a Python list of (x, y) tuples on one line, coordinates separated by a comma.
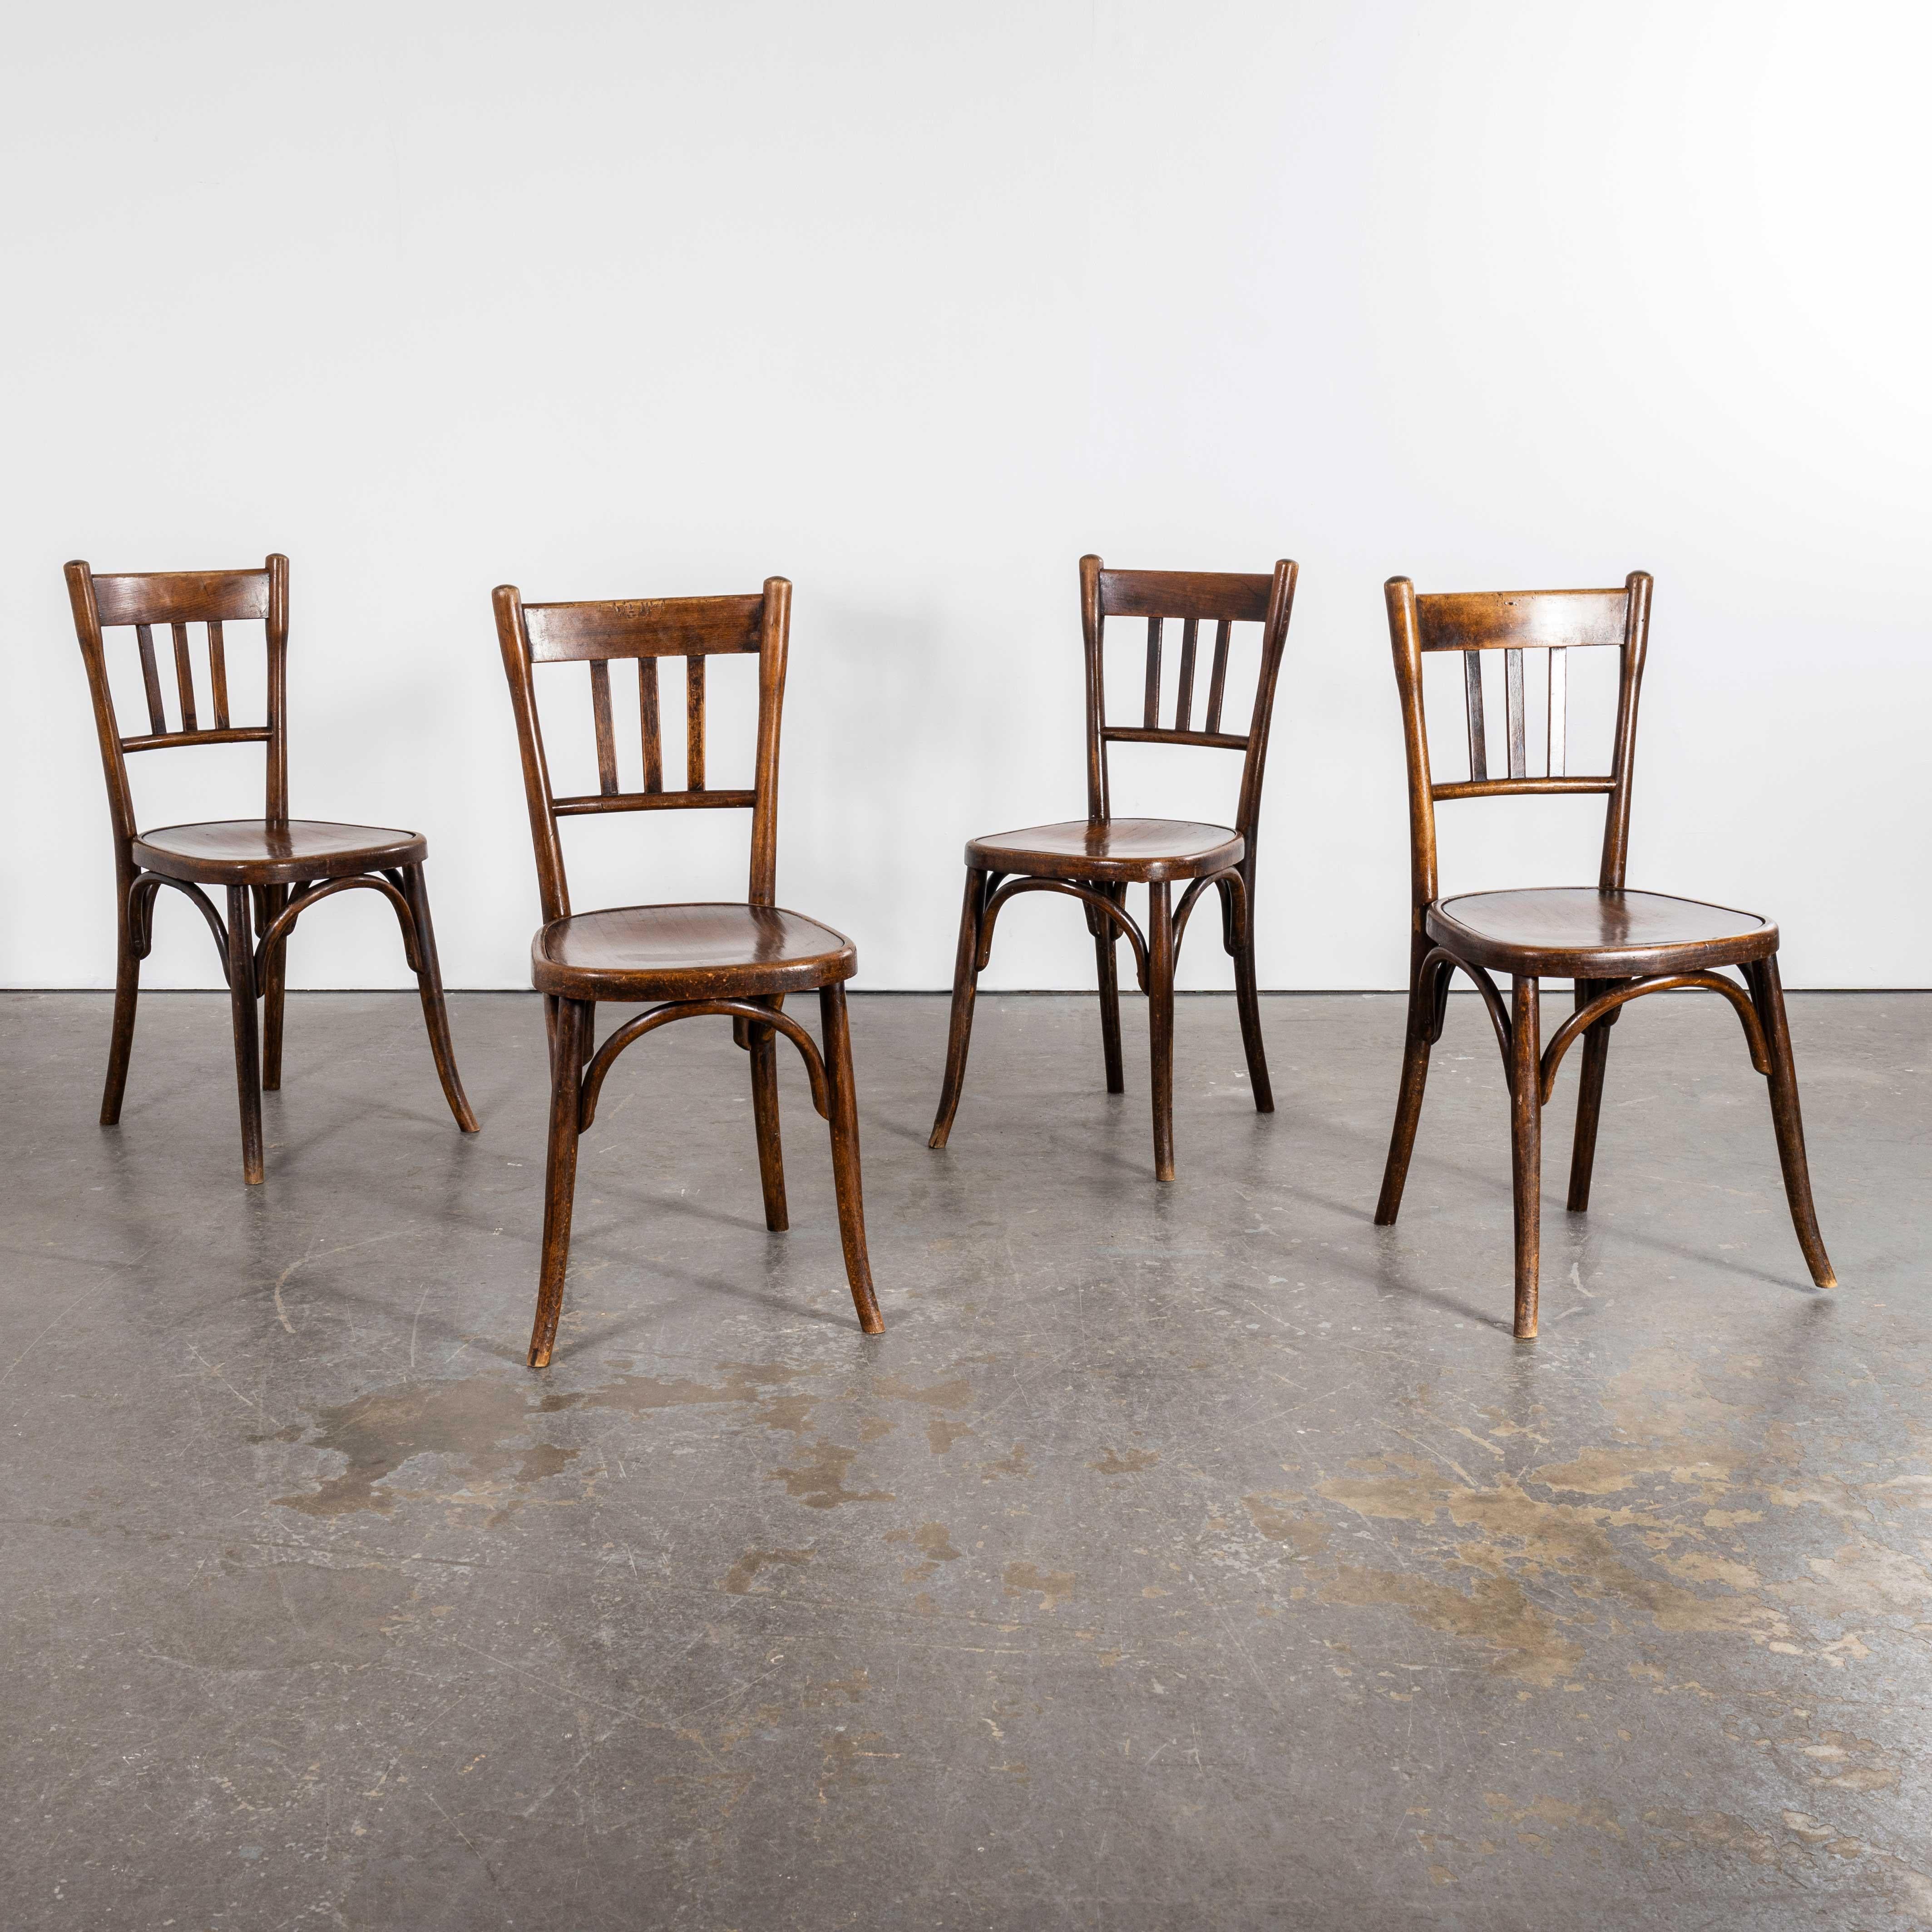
[(688, 953), (259, 851), (1131, 849), (1564, 931)]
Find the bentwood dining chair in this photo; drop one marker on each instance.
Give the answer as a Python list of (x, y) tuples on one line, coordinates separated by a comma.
[(1095, 859), (1613, 943), (734, 960), (274, 868)]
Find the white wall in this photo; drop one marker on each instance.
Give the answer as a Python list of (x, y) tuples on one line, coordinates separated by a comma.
[(912, 305)]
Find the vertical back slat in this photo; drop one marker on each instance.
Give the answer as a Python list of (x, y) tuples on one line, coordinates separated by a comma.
[(694, 724), (606, 741), (1151, 710), (150, 679), (217, 673), (647, 717), (1558, 724), (1183, 698), (1513, 708), (184, 677), (1217, 682), (1472, 690)]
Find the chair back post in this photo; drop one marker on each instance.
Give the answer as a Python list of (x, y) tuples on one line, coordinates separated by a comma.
[(277, 628), (1616, 818), (1092, 626), (1406, 640), (513, 636), (774, 645), (113, 759), (1274, 640)]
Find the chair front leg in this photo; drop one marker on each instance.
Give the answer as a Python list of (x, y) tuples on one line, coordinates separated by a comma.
[(1768, 995), (576, 1021), (1160, 1023), (1106, 936), (965, 986), (1417, 1039), (247, 1045), (273, 986), (436, 1012), (844, 1099), (1526, 1146), (126, 995), (761, 1042)]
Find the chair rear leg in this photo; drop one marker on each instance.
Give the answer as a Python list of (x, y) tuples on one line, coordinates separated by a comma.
[(1768, 993), (1106, 937), (1526, 1148), (274, 985), (247, 1043), (127, 995), (1589, 1095), (1247, 998), (844, 1100), (1416, 1040), (965, 986), (762, 1044), (575, 1021), (436, 1012), (1160, 1023)]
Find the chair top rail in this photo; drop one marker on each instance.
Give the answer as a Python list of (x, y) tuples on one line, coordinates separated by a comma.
[(1484, 620), (655, 627)]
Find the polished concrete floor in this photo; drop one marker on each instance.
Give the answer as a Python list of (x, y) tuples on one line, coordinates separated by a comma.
[(1188, 1556)]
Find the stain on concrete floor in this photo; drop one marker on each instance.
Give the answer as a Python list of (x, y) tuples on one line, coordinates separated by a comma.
[(1199, 1554)]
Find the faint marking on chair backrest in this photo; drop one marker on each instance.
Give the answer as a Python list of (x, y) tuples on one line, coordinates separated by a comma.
[(144, 602), (645, 629), (1555, 621)]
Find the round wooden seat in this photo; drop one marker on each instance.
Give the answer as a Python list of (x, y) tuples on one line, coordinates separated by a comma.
[(1118, 850), (688, 953), (260, 852), (1581, 932)]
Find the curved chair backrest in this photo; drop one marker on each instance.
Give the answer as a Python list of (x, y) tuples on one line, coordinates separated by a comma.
[(1191, 598), (212, 598), (1554, 622), (645, 629)]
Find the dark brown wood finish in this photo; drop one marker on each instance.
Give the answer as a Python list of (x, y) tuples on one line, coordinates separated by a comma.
[(1615, 944), (1096, 859), (736, 960), (274, 868)]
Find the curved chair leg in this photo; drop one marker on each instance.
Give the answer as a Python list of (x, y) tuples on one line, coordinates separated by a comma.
[(575, 1021), (1526, 1147), (1768, 993), (1247, 1001), (1589, 1094), (247, 1045), (436, 1014), (762, 1043), (1417, 1039), (274, 985), (965, 985), (845, 1155), (127, 995), (1160, 1023), (1106, 937)]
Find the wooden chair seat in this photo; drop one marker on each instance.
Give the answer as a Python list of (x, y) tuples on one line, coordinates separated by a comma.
[(1581, 932), (257, 852), (1117, 850), (688, 953)]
